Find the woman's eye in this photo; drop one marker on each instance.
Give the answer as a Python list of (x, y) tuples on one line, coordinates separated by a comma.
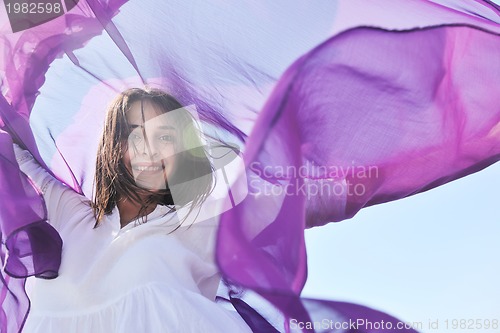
[(167, 138), (135, 137)]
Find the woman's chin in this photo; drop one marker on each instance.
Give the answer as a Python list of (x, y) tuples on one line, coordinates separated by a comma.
[(151, 186)]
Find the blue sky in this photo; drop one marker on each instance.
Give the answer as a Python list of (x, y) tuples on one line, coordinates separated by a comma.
[(431, 256)]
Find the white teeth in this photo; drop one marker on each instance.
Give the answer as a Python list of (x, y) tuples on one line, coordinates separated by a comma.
[(147, 168)]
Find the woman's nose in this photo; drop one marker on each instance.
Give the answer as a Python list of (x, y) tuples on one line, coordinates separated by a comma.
[(149, 148)]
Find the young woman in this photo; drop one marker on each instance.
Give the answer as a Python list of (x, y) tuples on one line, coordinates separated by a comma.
[(129, 262)]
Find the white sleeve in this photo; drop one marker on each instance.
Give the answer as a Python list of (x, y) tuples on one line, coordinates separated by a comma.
[(61, 201)]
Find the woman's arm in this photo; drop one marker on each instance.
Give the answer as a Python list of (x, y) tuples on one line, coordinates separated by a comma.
[(60, 200)]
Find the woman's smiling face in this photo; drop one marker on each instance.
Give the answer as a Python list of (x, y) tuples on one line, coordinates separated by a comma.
[(151, 145)]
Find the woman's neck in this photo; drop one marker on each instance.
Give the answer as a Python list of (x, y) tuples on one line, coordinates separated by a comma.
[(131, 210)]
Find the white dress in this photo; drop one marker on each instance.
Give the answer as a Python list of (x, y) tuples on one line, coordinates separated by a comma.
[(140, 278)]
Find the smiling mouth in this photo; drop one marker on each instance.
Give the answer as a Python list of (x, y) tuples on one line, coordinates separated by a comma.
[(147, 168)]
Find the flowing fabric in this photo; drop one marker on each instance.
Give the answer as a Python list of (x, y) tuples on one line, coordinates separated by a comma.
[(337, 105)]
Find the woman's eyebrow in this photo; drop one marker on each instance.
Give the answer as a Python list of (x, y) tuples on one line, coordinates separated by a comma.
[(168, 127), (163, 127)]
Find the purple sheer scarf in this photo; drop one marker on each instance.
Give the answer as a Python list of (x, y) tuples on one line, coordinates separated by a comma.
[(30, 246), (355, 125), (366, 116)]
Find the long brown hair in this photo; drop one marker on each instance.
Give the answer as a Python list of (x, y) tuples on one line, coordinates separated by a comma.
[(113, 181)]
